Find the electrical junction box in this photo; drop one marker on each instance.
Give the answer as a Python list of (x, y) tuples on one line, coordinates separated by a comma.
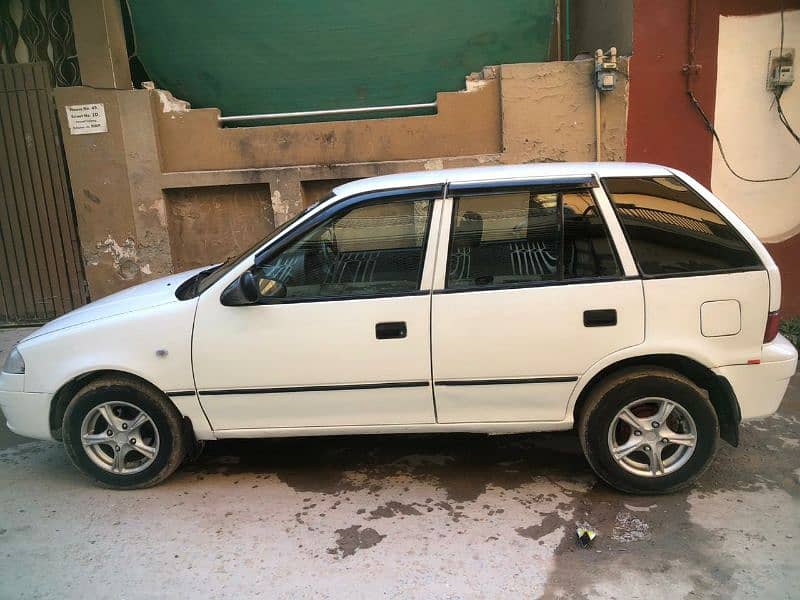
[(780, 69), (605, 76)]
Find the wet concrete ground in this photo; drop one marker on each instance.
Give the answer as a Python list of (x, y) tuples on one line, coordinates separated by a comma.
[(450, 516)]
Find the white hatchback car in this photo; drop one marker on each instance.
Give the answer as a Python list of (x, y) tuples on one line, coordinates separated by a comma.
[(624, 299)]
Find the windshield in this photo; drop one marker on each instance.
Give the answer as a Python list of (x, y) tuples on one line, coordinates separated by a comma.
[(210, 276)]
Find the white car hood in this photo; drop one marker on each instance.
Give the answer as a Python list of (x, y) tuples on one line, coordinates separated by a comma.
[(146, 295)]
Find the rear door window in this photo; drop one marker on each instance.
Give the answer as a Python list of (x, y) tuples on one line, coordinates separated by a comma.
[(521, 236), (673, 230)]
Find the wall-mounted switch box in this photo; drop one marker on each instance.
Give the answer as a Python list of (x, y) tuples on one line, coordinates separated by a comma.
[(780, 69), (605, 70)]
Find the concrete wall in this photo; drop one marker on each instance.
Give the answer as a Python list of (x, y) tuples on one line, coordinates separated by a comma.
[(168, 188), (116, 190)]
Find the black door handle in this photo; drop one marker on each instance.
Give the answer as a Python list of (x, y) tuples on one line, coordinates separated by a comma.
[(603, 317), (393, 330)]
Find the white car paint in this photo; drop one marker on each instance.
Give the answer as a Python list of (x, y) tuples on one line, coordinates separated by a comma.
[(147, 332)]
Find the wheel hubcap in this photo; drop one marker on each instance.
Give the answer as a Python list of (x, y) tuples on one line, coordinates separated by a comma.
[(120, 438), (652, 437)]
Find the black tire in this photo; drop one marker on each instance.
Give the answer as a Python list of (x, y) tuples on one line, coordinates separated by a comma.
[(613, 394), (165, 417)]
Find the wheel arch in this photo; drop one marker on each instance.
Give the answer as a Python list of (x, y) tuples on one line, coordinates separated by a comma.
[(67, 391), (720, 392)]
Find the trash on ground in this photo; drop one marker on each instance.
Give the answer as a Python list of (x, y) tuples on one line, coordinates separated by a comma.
[(585, 536)]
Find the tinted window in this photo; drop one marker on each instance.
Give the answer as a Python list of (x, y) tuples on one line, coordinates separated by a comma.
[(587, 249), (520, 237), (370, 249), (671, 229)]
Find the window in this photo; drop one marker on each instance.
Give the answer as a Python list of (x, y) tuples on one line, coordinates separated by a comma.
[(376, 248), (587, 248), (520, 237), (671, 229)]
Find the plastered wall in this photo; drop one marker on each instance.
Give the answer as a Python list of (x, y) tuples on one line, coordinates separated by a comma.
[(755, 142), (168, 188)]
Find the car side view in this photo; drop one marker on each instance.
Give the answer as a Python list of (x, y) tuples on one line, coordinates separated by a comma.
[(623, 300)]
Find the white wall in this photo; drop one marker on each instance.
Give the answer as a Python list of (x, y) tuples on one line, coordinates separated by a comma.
[(755, 142)]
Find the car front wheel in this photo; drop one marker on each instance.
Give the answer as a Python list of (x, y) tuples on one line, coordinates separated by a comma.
[(648, 430), (123, 434)]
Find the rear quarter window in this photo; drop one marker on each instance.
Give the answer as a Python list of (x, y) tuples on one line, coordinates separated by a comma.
[(672, 230)]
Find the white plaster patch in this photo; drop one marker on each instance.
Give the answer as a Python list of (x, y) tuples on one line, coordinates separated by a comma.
[(279, 208), (629, 528), (156, 207), (119, 252), (123, 255), (474, 84), (170, 103), (758, 146), (434, 164), (145, 268)]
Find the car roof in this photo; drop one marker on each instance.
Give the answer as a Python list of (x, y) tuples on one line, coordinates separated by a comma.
[(490, 173)]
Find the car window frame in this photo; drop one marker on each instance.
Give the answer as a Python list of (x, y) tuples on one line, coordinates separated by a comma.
[(588, 183), (701, 273), (432, 192)]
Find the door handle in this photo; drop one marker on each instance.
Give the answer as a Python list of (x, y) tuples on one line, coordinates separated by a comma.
[(390, 331), (603, 317)]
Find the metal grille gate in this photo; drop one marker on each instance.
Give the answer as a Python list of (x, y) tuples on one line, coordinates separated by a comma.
[(41, 274)]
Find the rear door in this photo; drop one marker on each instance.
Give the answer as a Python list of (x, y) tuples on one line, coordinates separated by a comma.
[(529, 293), (706, 290)]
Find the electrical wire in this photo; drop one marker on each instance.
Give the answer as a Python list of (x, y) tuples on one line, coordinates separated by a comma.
[(784, 119), (710, 127), (778, 92)]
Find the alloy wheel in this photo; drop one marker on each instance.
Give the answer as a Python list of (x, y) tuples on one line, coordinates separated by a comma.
[(652, 437), (120, 437)]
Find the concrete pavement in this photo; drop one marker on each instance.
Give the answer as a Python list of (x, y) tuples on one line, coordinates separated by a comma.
[(450, 516)]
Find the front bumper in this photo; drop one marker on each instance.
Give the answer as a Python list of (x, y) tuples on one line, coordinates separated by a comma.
[(760, 388), (27, 413)]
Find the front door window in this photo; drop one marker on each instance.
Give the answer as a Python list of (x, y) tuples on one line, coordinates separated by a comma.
[(372, 249)]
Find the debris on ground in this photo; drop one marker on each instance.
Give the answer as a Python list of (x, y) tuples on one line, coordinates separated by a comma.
[(629, 528), (585, 535)]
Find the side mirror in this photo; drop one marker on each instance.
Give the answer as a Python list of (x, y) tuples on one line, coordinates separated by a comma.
[(241, 292), (249, 287)]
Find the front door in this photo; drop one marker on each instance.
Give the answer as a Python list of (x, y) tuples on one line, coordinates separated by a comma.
[(349, 342), (532, 295)]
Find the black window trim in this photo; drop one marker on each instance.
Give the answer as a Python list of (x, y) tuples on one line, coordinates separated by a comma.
[(644, 276), (432, 192), (558, 185)]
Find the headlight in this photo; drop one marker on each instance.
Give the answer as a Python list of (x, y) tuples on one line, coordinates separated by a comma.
[(14, 363)]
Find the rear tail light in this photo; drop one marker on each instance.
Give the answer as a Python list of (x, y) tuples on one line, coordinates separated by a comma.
[(771, 331)]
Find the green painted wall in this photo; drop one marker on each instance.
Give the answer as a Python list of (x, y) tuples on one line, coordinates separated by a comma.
[(256, 56)]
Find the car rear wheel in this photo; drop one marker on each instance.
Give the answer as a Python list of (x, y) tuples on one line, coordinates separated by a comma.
[(123, 434), (648, 430)]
